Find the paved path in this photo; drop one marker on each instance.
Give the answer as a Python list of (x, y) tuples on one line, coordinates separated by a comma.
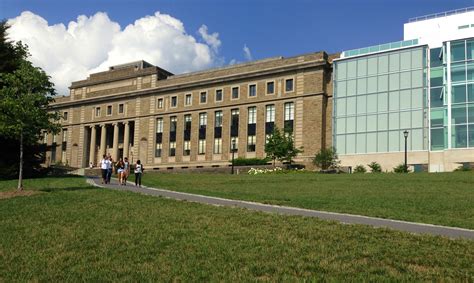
[(412, 227)]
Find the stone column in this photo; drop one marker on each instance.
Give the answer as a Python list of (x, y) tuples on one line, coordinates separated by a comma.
[(92, 154), (126, 139), (103, 133), (115, 143)]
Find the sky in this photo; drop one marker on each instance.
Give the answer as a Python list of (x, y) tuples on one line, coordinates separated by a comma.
[(70, 39)]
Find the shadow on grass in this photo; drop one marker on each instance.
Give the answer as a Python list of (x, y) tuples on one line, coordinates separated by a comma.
[(50, 190)]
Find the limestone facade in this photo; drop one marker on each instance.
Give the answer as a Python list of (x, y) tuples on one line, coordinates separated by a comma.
[(169, 121)]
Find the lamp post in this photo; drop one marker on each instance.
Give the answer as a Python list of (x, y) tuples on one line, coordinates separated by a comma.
[(405, 134), (233, 153)]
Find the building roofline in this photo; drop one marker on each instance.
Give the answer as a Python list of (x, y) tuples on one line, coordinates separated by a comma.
[(441, 15)]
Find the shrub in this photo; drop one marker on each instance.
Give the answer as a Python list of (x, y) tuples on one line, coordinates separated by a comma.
[(360, 169), (250, 161), (326, 158), (463, 168), (375, 167), (401, 168)]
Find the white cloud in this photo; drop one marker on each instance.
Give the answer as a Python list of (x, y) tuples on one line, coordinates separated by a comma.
[(210, 39), (247, 53), (94, 43)]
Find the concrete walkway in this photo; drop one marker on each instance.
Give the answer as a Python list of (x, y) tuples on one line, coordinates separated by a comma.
[(412, 227)]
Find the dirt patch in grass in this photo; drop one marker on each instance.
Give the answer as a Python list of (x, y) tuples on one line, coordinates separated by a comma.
[(12, 194)]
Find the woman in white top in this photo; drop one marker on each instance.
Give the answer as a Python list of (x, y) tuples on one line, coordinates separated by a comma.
[(103, 168), (138, 173)]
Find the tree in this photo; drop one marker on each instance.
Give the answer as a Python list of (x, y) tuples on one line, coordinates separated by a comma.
[(11, 54), (289, 150), (24, 107), (326, 158), (274, 145)]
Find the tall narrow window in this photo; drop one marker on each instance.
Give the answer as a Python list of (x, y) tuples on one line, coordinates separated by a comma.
[(252, 90), (219, 95), (269, 120), (251, 144), (217, 145), (289, 117), (235, 92), (188, 99), (187, 148), (202, 120), (174, 101), (202, 147), (288, 85), (173, 148), (120, 108), (234, 122), (159, 103), (270, 87), (252, 115), (45, 137), (187, 127), (159, 137), (109, 110), (218, 119), (65, 116), (203, 97), (173, 124), (97, 111)]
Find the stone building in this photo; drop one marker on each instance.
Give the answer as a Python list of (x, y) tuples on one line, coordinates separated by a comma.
[(141, 111)]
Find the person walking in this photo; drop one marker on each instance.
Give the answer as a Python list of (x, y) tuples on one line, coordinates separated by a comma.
[(138, 173), (110, 165), (103, 168), (120, 168), (126, 171)]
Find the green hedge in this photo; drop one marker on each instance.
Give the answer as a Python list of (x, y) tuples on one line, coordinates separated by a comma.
[(250, 161)]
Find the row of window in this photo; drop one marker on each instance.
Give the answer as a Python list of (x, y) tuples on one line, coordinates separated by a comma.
[(218, 116), (109, 110), (219, 94)]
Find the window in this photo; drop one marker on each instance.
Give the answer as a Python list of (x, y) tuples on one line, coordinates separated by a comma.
[(202, 120), (188, 99), (45, 137), (252, 116), (235, 92), (218, 119), (217, 145), (289, 111), (159, 125), (234, 123), (203, 97), (64, 135), (251, 144), (65, 116), (109, 110), (288, 85), (187, 148), (160, 103), (172, 148), (252, 90), (270, 113), (97, 111), (120, 109), (54, 138), (202, 147), (173, 121), (219, 95), (187, 122), (158, 150), (174, 101), (270, 87)]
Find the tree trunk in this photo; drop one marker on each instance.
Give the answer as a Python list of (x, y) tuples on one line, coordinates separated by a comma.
[(274, 162), (20, 172)]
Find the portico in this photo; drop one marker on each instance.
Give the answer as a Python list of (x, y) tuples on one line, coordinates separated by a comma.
[(109, 138)]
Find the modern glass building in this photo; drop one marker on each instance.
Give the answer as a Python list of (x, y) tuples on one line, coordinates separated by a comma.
[(423, 85)]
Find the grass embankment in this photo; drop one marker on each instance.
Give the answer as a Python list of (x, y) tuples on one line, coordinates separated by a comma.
[(73, 232), (444, 198)]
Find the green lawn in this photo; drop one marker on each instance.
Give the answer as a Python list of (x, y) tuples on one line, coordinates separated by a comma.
[(443, 198), (73, 232)]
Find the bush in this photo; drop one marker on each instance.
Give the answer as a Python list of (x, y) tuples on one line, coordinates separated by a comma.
[(360, 169), (462, 168), (401, 168), (375, 167), (326, 159), (250, 161)]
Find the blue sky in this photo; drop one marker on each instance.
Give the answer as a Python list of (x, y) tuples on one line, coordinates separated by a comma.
[(268, 28)]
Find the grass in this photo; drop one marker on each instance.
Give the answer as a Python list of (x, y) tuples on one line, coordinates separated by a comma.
[(73, 232), (443, 198)]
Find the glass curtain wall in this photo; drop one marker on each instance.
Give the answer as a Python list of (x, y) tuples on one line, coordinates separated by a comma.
[(377, 97), (462, 93)]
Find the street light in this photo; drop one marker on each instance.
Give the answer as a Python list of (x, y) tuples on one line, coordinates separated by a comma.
[(233, 152), (405, 134)]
